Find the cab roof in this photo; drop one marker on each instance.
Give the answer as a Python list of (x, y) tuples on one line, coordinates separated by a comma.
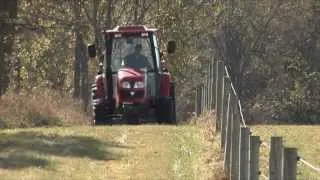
[(130, 29)]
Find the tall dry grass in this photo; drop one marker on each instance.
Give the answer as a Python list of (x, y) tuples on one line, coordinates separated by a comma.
[(211, 161), (40, 108)]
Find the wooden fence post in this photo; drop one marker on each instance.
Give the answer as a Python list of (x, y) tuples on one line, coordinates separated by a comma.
[(219, 104), (235, 142), (208, 92), (213, 81), (244, 153), (211, 86), (224, 120), (290, 159), (205, 93), (208, 89), (254, 157), (227, 147), (275, 158), (216, 67), (202, 98), (222, 100), (198, 101)]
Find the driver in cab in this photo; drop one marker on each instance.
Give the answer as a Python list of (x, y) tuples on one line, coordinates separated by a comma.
[(137, 60)]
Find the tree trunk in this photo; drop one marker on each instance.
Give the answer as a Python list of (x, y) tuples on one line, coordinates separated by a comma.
[(136, 9), (77, 62), (82, 54), (18, 76), (8, 11), (109, 14)]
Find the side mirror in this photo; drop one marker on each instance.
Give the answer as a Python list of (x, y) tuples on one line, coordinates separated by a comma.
[(171, 47), (92, 50)]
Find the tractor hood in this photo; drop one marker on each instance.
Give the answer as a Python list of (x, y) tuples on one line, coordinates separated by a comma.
[(129, 74)]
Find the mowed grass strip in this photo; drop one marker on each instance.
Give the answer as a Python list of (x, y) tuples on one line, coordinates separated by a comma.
[(305, 138), (104, 152)]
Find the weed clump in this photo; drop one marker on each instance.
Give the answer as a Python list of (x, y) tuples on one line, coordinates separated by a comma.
[(40, 108)]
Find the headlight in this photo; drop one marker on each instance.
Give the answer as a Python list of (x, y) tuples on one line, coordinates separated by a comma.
[(139, 84), (125, 85)]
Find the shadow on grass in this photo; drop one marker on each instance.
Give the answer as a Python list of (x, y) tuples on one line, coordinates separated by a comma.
[(19, 161), (18, 150)]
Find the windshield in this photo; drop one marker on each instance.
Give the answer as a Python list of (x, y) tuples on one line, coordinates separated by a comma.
[(131, 51)]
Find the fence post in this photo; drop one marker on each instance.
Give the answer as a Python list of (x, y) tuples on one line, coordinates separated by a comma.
[(216, 67), (202, 98), (213, 81), (219, 105), (218, 123), (254, 157), (275, 158), (208, 88), (235, 142), (198, 101), (227, 147), (205, 93), (244, 153), (290, 159), (222, 99), (211, 86), (208, 91), (225, 116)]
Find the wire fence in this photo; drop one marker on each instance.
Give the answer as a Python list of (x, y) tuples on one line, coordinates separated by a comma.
[(264, 176), (240, 149), (309, 165)]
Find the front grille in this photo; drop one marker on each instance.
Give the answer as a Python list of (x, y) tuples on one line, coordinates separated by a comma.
[(137, 94)]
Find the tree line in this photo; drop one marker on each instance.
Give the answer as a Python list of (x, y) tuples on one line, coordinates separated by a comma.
[(271, 47)]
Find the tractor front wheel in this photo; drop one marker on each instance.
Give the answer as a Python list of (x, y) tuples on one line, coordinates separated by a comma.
[(166, 111)]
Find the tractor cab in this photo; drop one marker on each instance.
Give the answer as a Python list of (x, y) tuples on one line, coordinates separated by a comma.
[(133, 81), (133, 49)]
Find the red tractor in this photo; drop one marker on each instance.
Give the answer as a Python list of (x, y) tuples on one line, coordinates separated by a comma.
[(132, 84)]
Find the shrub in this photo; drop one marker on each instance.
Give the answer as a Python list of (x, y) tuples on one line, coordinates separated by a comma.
[(40, 108)]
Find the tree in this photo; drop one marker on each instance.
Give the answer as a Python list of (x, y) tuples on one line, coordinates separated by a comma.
[(8, 13)]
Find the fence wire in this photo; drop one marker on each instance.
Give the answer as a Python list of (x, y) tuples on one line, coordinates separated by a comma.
[(265, 145), (309, 165), (264, 176), (235, 93), (241, 114)]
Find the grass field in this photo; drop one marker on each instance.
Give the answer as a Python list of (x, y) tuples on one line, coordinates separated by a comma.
[(136, 152), (105, 152), (305, 138)]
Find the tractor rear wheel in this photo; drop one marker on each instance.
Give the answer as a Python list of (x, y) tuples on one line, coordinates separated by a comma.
[(98, 117), (100, 109)]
